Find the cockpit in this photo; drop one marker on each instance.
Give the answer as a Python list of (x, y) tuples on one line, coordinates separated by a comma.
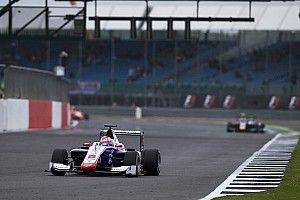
[(106, 141)]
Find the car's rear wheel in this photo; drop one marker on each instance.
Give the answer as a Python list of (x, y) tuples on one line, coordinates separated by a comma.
[(132, 158), (151, 161), (59, 156)]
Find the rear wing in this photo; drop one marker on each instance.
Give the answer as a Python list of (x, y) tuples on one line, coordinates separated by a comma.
[(131, 133)]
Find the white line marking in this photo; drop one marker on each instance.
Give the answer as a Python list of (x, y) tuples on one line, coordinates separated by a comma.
[(281, 165), (271, 161), (259, 175), (250, 186), (257, 179), (263, 170), (253, 183), (223, 185), (265, 167), (242, 191), (275, 154)]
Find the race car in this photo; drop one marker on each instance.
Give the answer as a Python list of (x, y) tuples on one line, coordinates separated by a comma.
[(107, 156), (245, 123), (78, 115)]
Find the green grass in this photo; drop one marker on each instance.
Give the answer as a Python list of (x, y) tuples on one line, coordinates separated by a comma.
[(284, 129), (289, 187)]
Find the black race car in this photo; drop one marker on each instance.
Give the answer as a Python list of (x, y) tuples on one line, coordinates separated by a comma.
[(245, 123)]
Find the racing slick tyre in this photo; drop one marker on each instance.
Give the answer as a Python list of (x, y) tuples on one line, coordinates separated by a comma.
[(59, 156), (86, 116), (228, 129), (261, 128), (132, 158), (151, 160), (257, 130)]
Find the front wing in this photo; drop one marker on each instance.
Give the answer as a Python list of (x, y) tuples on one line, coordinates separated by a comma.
[(128, 170), (247, 128)]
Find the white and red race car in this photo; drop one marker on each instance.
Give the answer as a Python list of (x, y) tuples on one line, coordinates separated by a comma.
[(107, 156), (78, 115)]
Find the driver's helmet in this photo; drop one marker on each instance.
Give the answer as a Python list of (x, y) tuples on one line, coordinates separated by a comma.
[(102, 133), (106, 141), (242, 114), (110, 134)]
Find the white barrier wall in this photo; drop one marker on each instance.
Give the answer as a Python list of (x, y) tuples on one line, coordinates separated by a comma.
[(2, 115), (14, 114), (17, 112), (56, 114)]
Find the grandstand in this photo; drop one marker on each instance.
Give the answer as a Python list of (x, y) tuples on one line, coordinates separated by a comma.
[(168, 61)]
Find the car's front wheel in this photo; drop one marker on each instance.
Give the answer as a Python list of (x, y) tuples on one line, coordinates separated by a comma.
[(59, 156), (132, 159)]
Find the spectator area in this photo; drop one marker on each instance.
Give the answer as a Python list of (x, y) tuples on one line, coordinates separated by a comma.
[(183, 62)]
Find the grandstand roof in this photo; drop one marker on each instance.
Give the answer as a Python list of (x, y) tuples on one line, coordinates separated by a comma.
[(268, 15)]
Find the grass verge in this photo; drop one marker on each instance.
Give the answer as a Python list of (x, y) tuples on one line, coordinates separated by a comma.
[(284, 129), (288, 189)]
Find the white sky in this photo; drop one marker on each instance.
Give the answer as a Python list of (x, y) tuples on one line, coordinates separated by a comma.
[(268, 16)]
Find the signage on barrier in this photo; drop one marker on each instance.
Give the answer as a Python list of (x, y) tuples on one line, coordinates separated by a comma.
[(229, 101), (209, 101), (274, 102), (189, 101), (294, 103)]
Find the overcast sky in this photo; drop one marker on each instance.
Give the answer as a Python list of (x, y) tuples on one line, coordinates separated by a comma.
[(268, 16)]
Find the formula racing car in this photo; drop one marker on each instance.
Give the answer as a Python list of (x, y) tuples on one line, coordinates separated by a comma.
[(78, 115), (245, 123), (107, 156)]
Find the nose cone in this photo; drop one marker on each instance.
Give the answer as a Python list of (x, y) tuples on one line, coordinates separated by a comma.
[(88, 166)]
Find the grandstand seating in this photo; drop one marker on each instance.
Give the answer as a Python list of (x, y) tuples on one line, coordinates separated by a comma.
[(195, 63), (252, 68)]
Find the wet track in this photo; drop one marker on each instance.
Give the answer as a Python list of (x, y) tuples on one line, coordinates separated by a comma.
[(196, 157)]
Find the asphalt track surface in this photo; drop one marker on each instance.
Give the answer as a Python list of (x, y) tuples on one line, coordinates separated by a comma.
[(197, 156)]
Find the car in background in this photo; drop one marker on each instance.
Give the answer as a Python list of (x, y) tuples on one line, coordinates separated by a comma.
[(78, 115), (245, 123), (107, 156)]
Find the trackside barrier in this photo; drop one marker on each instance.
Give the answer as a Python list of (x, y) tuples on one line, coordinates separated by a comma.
[(38, 119), (56, 114), (189, 101), (229, 101), (294, 103), (24, 114), (33, 99), (65, 114), (14, 114), (209, 101), (40, 85), (274, 102), (2, 115)]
